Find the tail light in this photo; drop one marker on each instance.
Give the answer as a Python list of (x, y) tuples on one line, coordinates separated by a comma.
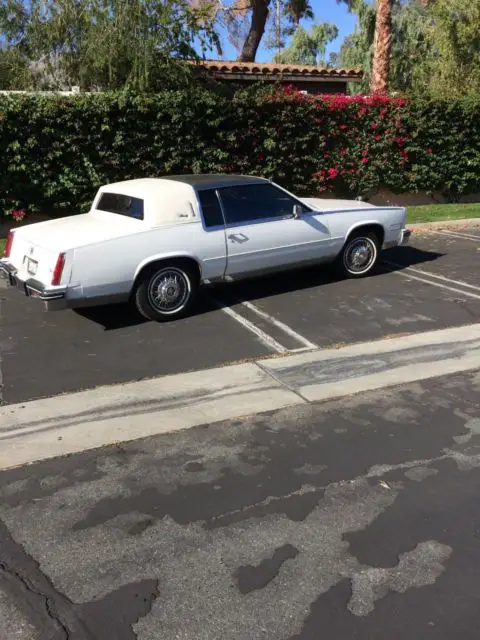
[(8, 245), (57, 272)]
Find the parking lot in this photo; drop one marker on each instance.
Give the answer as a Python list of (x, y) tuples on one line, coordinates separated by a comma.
[(431, 284)]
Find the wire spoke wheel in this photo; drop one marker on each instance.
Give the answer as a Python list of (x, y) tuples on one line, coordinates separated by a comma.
[(360, 255), (169, 290)]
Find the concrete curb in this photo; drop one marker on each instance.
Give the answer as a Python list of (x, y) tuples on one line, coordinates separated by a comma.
[(465, 223), (76, 422)]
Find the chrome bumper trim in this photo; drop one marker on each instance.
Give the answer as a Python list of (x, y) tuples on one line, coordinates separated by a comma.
[(31, 287), (406, 233)]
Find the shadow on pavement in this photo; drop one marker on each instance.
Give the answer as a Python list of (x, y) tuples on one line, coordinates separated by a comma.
[(409, 256), (119, 316)]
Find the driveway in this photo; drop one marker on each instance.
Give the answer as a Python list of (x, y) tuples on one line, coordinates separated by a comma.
[(432, 284)]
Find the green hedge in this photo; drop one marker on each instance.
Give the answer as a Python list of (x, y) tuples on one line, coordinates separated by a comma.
[(56, 150)]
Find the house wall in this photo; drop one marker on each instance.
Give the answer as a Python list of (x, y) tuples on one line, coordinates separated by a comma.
[(313, 87)]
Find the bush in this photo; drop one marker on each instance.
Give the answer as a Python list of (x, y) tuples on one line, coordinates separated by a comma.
[(56, 150)]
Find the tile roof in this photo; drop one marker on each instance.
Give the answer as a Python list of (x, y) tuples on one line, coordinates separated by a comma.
[(271, 69)]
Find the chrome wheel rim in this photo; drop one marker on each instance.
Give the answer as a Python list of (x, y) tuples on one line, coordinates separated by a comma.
[(169, 291), (360, 255)]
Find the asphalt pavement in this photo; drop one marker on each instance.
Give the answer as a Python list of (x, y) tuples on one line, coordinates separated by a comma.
[(431, 284), (356, 518)]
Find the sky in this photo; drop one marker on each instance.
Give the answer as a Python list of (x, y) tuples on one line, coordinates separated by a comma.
[(325, 11)]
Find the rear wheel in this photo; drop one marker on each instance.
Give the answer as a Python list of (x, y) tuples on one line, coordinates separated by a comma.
[(166, 292), (359, 255)]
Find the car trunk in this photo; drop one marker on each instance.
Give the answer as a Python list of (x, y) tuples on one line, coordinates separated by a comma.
[(36, 248)]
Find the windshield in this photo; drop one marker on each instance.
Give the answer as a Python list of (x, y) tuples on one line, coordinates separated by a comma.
[(121, 204)]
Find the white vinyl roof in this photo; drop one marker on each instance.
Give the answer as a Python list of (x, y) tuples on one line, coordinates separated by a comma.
[(164, 201)]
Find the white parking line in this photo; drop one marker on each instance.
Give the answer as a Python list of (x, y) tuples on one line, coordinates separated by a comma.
[(281, 325), (264, 338), (409, 275), (460, 283), (458, 235)]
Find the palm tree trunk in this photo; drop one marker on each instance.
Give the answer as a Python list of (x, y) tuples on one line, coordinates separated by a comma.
[(256, 31), (382, 45)]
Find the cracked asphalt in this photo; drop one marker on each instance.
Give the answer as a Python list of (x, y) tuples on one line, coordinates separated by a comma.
[(355, 518)]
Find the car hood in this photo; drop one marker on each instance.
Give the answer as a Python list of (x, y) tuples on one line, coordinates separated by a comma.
[(323, 204)]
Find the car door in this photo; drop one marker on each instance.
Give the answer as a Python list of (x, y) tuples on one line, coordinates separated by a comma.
[(261, 232)]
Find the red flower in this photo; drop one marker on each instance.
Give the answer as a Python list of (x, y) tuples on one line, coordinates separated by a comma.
[(374, 125), (429, 150), (326, 156), (18, 214), (343, 152), (364, 160), (260, 157), (400, 140), (333, 173), (377, 137), (344, 127)]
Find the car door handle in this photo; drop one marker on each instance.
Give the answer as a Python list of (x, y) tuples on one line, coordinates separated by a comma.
[(237, 237)]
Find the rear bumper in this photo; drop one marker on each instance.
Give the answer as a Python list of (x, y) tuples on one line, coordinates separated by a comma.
[(53, 298)]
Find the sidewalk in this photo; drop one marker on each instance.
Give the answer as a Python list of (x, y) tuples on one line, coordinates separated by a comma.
[(76, 422)]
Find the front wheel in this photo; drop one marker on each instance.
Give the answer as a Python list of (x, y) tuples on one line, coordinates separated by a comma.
[(166, 292), (359, 255)]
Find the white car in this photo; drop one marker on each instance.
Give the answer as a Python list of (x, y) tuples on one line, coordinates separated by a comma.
[(155, 241)]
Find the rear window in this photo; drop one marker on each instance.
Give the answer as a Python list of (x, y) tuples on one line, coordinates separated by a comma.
[(123, 205)]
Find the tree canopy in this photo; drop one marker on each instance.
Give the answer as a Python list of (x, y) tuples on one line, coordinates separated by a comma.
[(435, 46), (308, 46), (100, 43)]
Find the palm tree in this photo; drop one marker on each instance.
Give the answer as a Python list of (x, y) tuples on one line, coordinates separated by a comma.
[(382, 45)]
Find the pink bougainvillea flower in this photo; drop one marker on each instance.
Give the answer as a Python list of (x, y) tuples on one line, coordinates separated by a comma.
[(18, 214), (333, 173)]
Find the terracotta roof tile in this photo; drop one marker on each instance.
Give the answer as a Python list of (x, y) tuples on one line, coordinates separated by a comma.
[(255, 68)]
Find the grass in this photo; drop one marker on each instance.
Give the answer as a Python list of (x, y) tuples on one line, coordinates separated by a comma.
[(439, 212), (2, 246)]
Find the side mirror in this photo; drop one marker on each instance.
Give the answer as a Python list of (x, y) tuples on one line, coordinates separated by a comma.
[(297, 211)]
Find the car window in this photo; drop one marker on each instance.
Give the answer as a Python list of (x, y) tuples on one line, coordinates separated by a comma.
[(121, 204), (253, 202), (212, 212)]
